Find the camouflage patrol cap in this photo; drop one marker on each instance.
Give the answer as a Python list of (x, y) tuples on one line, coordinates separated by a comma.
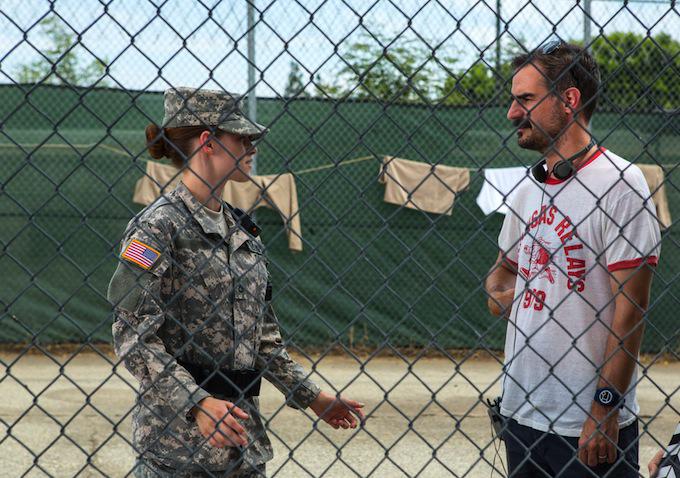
[(210, 108)]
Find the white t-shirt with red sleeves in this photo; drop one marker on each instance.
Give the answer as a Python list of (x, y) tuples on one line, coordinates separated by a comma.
[(565, 237)]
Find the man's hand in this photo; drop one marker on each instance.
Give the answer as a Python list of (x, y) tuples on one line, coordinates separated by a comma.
[(217, 421), (630, 288), (338, 412), (654, 463), (597, 444), (500, 303), (500, 287)]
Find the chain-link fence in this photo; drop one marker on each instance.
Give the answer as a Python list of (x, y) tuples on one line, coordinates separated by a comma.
[(390, 169)]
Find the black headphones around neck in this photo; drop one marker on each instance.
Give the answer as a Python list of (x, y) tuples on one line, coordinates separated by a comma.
[(563, 169)]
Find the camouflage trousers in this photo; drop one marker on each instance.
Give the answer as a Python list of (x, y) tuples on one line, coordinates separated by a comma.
[(146, 468)]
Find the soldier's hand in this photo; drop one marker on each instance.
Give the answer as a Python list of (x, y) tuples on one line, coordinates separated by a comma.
[(338, 412), (217, 421)]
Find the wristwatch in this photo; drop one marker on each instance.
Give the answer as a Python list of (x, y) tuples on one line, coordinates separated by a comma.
[(608, 397)]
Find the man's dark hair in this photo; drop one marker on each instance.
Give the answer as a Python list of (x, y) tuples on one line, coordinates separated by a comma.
[(564, 66)]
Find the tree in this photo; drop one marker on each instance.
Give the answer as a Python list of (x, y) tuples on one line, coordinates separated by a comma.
[(295, 86), (639, 72), (378, 69), (60, 63), (476, 85), (324, 89)]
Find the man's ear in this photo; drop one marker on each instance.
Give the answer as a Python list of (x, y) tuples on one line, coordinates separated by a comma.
[(572, 100)]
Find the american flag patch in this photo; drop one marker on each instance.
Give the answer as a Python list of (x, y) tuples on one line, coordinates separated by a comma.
[(141, 254)]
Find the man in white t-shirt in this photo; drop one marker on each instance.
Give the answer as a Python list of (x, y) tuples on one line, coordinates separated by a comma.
[(577, 252)]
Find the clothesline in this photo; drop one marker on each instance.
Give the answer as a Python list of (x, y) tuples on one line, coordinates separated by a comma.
[(332, 165), (366, 158), (113, 149), (315, 169), (350, 161)]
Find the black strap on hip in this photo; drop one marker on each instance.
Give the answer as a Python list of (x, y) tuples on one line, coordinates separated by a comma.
[(225, 382)]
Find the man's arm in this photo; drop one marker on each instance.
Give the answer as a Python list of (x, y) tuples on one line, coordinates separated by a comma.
[(500, 286), (631, 289)]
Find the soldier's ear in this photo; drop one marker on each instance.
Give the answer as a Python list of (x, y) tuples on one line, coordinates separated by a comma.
[(204, 141)]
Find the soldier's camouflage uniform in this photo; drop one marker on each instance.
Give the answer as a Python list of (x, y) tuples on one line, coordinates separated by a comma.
[(202, 302)]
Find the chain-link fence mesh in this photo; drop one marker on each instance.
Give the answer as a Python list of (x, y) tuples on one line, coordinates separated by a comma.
[(384, 302)]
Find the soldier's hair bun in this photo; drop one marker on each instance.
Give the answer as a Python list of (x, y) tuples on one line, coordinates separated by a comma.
[(176, 144), (155, 142)]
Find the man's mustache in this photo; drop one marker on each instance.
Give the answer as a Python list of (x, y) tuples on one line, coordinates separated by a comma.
[(521, 123)]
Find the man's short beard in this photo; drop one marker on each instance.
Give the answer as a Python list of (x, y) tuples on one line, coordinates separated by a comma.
[(543, 138)]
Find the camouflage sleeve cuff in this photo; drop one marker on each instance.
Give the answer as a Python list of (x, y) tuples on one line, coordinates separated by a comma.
[(303, 395), (187, 400)]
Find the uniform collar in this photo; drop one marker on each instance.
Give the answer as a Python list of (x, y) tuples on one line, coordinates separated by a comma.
[(198, 212)]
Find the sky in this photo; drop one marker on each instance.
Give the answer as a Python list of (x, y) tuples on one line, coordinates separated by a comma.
[(154, 44)]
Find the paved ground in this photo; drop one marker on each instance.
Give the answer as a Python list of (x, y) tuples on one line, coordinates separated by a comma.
[(53, 433)]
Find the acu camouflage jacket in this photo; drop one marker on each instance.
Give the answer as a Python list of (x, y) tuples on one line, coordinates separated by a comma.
[(183, 293)]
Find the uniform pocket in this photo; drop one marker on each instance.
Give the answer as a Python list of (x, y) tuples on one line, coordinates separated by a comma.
[(249, 266), (254, 246), (205, 286)]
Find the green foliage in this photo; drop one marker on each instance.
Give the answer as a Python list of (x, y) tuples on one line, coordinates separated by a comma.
[(60, 63), (378, 69), (639, 72), (324, 89), (477, 85), (295, 85)]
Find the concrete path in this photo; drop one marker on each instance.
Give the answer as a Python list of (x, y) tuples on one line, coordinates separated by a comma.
[(425, 420)]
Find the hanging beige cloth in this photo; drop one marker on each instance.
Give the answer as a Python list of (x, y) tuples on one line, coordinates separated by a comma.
[(158, 175), (422, 186), (656, 182), (276, 191)]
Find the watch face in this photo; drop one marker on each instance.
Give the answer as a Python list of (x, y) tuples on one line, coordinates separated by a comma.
[(606, 397)]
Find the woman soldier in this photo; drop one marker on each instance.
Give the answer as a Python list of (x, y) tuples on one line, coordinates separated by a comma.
[(193, 318)]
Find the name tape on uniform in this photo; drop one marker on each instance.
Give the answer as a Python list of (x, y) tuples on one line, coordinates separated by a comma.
[(141, 254)]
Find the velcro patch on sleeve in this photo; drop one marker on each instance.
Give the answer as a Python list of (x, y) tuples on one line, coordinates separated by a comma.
[(141, 254)]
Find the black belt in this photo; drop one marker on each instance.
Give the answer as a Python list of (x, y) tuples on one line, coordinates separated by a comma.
[(225, 382)]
